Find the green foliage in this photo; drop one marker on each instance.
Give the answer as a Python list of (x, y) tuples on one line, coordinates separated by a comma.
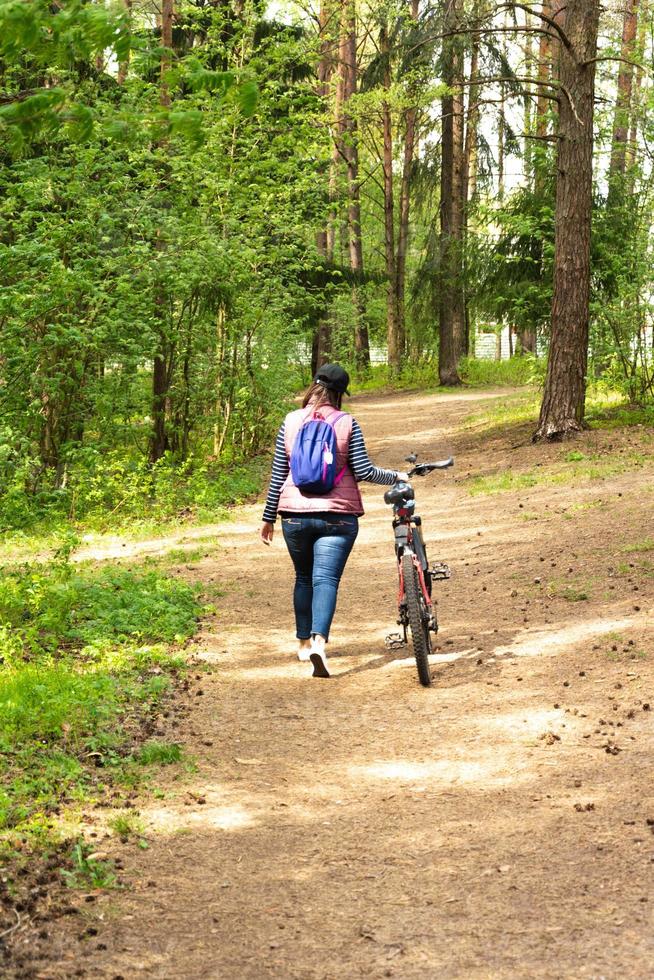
[(647, 544), (159, 753), (127, 824), (570, 593), (504, 413), (622, 308), (423, 375), (88, 871), (44, 608), (75, 670), (512, 281), (573, 469), (516, 371), (140, 247)]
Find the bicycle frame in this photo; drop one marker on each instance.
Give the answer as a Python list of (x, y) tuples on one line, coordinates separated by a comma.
[(409, 540), (407, 529)]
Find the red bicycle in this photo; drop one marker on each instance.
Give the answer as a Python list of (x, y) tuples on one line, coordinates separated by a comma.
[(416, 611)]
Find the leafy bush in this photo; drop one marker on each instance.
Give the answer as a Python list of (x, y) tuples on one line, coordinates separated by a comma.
[(423, 375), (515, 371), (48, 608), (82, 657), (115, 489)]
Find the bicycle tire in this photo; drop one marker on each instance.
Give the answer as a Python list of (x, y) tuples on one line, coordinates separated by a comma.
[(417, 620)]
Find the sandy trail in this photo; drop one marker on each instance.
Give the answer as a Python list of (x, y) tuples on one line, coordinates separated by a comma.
[(364, 826)]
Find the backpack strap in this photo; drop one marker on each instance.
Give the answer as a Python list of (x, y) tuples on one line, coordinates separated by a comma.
[(332, 422)]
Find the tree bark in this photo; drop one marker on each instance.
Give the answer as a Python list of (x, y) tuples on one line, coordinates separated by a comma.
[(636, 95), (351, 153), (623, 102), (562, 408), (541, 155), (322, 336), (160, 374), (123, 67), (470, 152), (410, 119), (527, 143), (395, 340), (469, 178), (452, 326)]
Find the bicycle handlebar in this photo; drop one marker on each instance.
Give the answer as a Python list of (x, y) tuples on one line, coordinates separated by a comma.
[(422, 469)]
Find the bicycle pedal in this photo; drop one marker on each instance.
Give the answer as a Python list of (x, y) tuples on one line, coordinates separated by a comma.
[(394, 641), (439, 570)]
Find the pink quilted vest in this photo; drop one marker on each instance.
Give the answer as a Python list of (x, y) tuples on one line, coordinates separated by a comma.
[(345, 497)]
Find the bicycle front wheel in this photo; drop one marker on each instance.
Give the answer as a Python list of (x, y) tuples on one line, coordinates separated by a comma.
[(418, 619)]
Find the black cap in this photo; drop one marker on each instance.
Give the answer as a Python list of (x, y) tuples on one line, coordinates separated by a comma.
[(333, 377)]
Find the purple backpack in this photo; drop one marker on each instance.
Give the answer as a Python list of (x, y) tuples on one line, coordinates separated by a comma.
[(313, 456)]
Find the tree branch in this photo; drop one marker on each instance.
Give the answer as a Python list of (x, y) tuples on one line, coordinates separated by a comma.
[(614, 57), (565, 40)]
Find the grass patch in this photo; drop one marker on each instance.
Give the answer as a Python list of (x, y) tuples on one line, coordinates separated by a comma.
[(87, 871), (611, 410), (643, 567), (127, 824), (379, 377), (159, 754), (475, 373), (514, 371), (647, 544), (574, 509), (118, 498), (574, 468), (605, 409), (505, 413), (85, 655), (570, 592)]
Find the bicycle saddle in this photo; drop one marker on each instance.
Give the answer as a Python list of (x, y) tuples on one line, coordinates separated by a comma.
[(399, 493)]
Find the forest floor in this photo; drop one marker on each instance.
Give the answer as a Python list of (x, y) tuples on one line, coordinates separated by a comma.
[(498, 824)]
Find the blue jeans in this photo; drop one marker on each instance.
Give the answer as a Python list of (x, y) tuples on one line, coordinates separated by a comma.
[(319, 545)]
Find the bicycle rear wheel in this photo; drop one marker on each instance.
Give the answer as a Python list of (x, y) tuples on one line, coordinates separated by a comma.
[(418, 619)]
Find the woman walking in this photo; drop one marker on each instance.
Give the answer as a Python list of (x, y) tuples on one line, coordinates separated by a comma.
[(321, 526)]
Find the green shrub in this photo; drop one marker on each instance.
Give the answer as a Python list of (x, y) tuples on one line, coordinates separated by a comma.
[(47, 608), (82, 654), (159, 753), (516, 371)]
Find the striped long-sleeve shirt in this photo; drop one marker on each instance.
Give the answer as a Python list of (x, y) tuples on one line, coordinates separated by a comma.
[(357, 458)]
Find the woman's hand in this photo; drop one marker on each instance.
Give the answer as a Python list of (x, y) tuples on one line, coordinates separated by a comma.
[(267, 531)]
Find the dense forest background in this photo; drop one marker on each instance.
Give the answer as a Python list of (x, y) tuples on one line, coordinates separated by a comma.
[(201, 200)]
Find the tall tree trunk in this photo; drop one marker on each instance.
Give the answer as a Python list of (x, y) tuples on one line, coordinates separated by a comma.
[(469, 178), (501, 142), (322, 336), (527, 336), (160, 373), (338, 83), (123, 67), (527, 143), (351, 153), (410, 118), (395, 340), (623, 102), (543, 103), (470, 152), (636, 95), (452, 326), (562, 408)]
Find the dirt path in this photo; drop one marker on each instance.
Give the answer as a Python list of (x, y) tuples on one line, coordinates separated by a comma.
[(499, 824)]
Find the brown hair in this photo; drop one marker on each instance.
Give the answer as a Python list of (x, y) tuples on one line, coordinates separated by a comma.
[(318, 395)]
